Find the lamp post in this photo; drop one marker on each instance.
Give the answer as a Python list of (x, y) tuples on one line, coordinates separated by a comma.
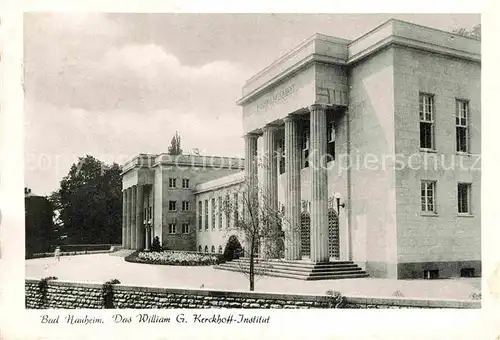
[(339, 205), (147, 227)]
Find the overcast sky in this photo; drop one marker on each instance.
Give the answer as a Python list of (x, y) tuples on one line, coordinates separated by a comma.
[(115, 85)]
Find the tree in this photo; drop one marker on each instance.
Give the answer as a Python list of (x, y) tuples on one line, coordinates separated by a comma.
[(38, 223), (474, 33), (260, 226), (175, 145), (89, 202)]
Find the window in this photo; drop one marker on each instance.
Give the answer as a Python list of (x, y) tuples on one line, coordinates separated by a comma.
[(206, 215), (206, 249), (220, 249), (462, 126), (426, 109), (281, 158), (428, 196), (172, 183), (213, 249), (463, 190), (331, 141), (185, 183), (228, 212), (199, 248), (172, 205), (236, 212), (185, 228), (171, 228), (305, 148), (185, 205), (212, 202), (220, 212), (200, 223)]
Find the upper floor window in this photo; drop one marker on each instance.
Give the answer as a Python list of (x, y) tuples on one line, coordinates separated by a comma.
[(171, 228), (200, 216), (206, 215), (331, 140), (185, 183), (212, 202), (185, 205), (227, 208), (305, 148), (428, 196), (462, 125), (281, 158), (463, 190), (172, 182), (426, 110), (221, 209), (172, 205), (185, 228), (236, 207)]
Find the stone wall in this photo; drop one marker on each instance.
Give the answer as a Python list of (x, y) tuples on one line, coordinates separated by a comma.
[(71, 295)]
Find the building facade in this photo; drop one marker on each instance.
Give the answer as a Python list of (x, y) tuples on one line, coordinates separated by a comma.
[(372, 146)]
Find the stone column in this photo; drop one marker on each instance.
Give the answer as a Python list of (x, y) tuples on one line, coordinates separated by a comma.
[(270, 184), (148, 226), (250, 177), (133, 226), (140, 227), (124, 219), (292, 189), (129, 219), (319, 184)]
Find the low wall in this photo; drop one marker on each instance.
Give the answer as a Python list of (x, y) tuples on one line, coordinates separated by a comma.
[(69, 253), (70, 295)]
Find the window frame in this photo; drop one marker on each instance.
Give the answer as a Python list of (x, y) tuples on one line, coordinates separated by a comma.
[(200, 215), (212, 203), (206, 215), (434, 197), (172, 183), (185, 206), (424, 120), (169, 205), (220, 211), (185, 183), (469, 196), (172, 229), (185, 228), (459, 125)]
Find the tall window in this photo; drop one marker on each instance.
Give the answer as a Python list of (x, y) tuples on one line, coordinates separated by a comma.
[(236, 208), (331, 140), (212, 202), (462, 125), (426, 121), (206, 215), (281, 158), (199, 248), (185, 228), (213, 249), (185, 205), (464, 198), (171, 228), (228, 212), (221, 209), (185, 183), (220, 249), (200, 216), (305, 148), (428, 196), (206, 249), (172, 205), (172, 183)]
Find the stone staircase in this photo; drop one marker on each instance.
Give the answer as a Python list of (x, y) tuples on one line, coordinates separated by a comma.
[(299, 269), (122, 252)]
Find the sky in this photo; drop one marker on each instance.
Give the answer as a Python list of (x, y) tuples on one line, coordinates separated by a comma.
[(116, 85)]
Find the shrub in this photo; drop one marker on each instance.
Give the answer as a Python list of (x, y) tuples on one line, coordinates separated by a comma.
[(156, 245), (107, 293), (233, 249), (337, 300), (398, 293), (475, 296), (175, 258)]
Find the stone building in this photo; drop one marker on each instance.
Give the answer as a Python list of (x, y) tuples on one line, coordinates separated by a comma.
[(372, 146)]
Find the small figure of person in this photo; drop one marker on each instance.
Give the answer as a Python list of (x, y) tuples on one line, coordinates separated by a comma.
[(57, 253)]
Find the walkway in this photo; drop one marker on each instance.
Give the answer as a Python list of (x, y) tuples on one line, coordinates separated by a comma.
[(103, 267)]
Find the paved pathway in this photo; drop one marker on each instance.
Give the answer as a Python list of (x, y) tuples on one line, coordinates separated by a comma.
[(103, 267)]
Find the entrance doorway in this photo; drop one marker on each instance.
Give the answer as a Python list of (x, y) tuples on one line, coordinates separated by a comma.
[(333, 234)]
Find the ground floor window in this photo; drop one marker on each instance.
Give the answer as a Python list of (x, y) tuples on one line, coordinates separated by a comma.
[(463, 190), (213, 249), (185, 228), (171, 228)]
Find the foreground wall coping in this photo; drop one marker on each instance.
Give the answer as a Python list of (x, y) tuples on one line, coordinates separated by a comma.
[(385, 301)]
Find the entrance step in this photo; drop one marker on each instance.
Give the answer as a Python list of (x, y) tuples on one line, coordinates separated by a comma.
[(300, 269), (122, 252)]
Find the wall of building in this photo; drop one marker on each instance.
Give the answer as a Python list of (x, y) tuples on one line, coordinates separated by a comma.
[(372, 193), (215, 235), (445, 241), (69, 295)]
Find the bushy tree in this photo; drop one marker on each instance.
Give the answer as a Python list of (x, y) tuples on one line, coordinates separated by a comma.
[(474, 33), (89, 202)]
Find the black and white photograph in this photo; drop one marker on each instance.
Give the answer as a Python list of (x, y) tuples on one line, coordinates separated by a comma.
[(262, 171), (252, 160)]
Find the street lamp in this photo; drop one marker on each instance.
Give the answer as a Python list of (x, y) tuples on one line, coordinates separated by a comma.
[(337, 198), (147, 227)]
